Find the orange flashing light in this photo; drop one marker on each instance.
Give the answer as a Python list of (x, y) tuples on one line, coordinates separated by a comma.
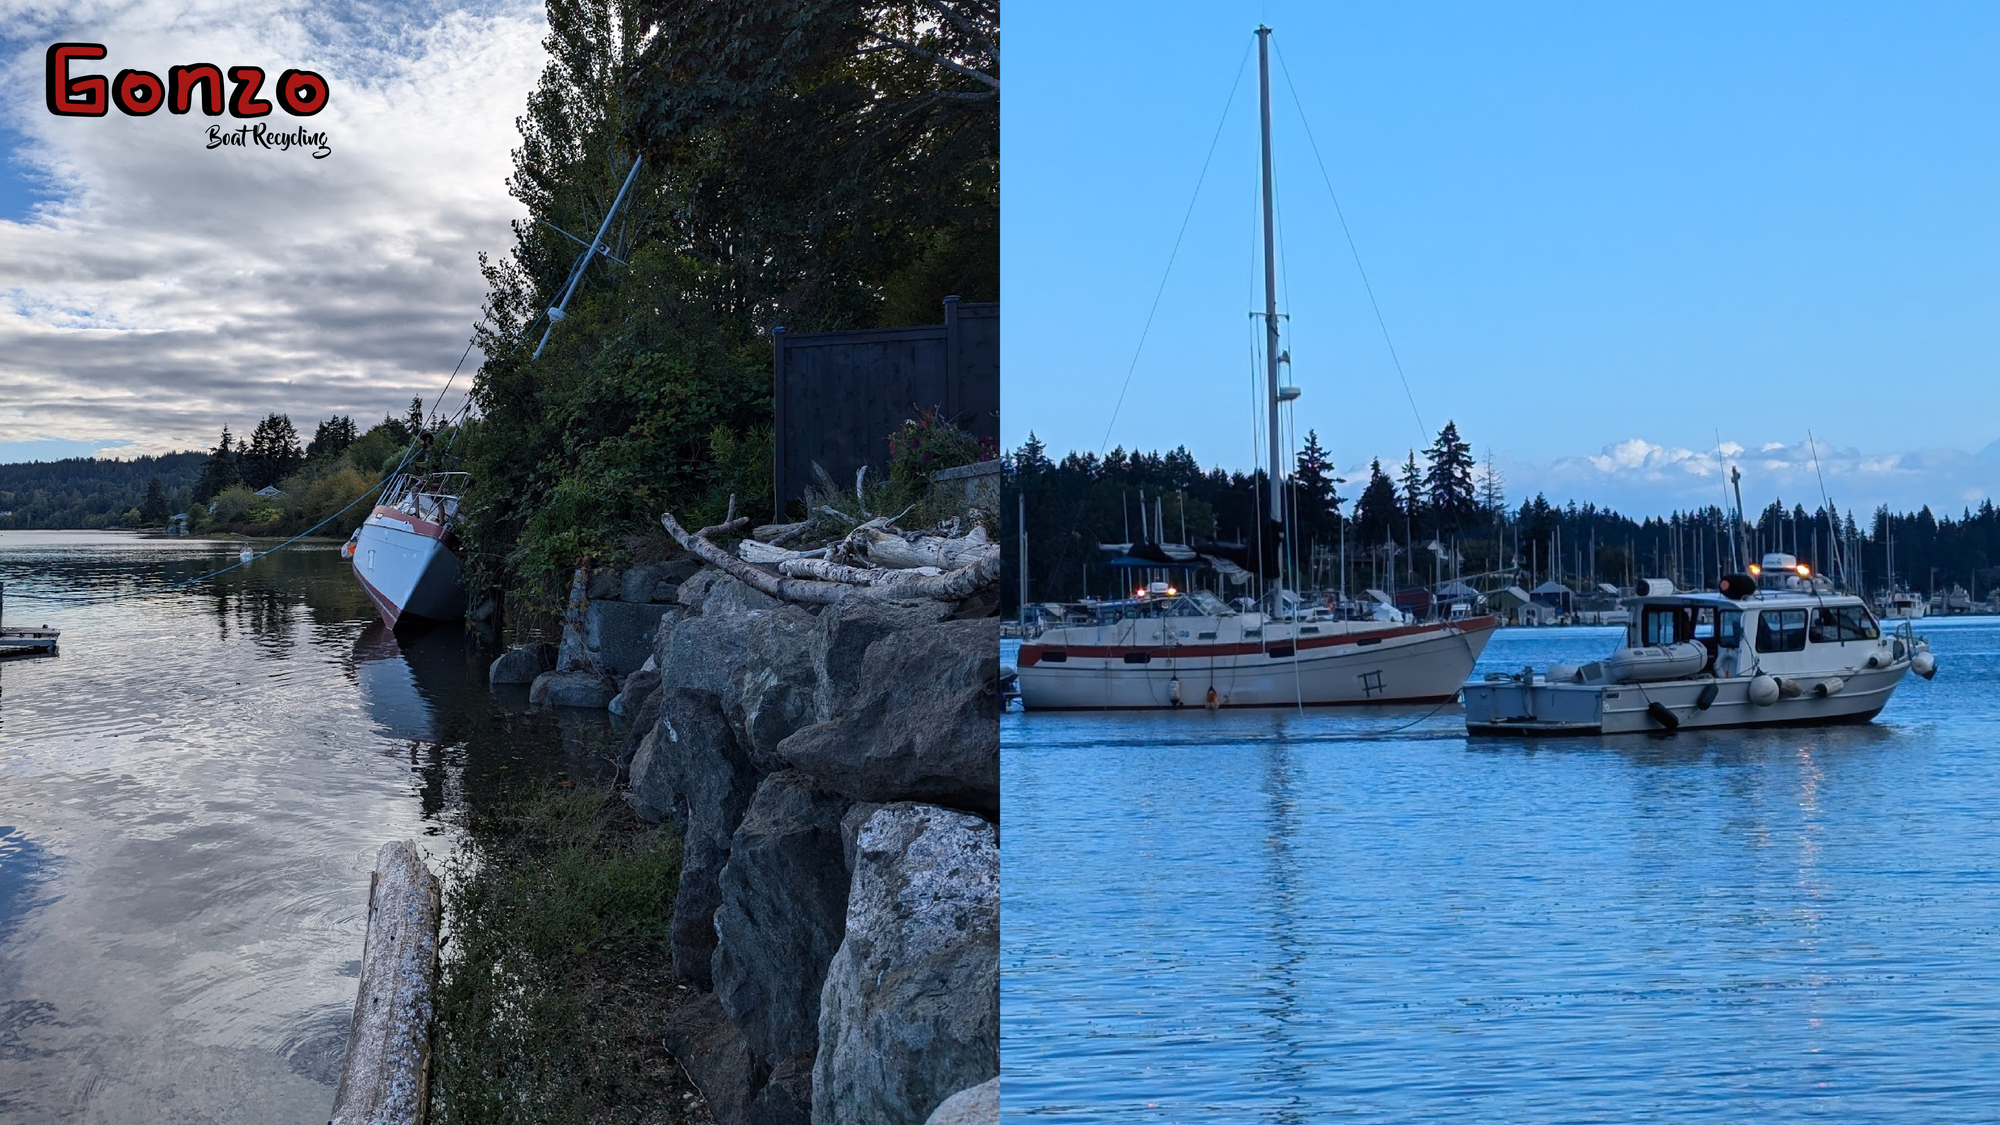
[(1805, 571), (1755, 569)]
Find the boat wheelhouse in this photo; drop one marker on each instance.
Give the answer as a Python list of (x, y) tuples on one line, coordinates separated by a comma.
[(1795, 654)]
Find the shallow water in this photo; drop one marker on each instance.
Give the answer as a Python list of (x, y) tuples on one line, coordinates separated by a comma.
[(191, 797), (1263, 916)]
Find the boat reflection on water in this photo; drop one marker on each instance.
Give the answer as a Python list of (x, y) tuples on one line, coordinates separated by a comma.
[(427, 689)]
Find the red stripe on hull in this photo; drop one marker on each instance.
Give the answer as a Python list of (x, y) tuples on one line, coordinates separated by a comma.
[(1031, 654)]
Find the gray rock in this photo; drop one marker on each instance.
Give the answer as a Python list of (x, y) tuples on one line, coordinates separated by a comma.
[(694, 588), (521, 665), (842, 638), (786, 1098), (784, 897), (619, 635), (637, 687), (571, 689), (774, 694), (976, 1105), (923, 724), (728, 595), (604, 583), (645, 722), (690, 771), (654, 582), (910, 1013), (703, 653)]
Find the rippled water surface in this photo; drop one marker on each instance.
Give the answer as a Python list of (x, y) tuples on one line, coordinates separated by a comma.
[(1262, 916), (191, 797)]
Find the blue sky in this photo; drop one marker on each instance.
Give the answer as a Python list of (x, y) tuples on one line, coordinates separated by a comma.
[(1602, 236)]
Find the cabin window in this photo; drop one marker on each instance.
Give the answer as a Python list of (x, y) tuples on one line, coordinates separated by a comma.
[(1729, 629), (1281, 650), (1138, 658), (1055, 656), (1665, 625), (1843, 623), (1781, 630)]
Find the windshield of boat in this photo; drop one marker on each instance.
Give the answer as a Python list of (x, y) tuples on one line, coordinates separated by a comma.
[(1207, 603), (1832, 624)]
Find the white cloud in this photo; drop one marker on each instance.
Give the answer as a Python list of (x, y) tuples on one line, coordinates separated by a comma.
[(170, 288), (1642, 477)]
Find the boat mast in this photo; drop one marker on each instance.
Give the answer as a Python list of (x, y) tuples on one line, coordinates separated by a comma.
[(1270, 294)]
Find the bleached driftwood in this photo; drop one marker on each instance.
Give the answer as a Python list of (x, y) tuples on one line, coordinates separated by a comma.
[(768, 554), (827, 571), (894, 551), (779, 534), (386, 1077), (955, 585)]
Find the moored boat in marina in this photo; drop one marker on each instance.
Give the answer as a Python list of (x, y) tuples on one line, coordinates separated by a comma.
[(1790, 651), (404, 552), (1165, 649)]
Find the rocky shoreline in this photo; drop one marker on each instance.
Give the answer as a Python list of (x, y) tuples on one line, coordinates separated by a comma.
[(833, 772)]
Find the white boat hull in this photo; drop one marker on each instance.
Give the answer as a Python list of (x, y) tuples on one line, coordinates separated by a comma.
[(406, 569), (1426, 662), (1540, 707)]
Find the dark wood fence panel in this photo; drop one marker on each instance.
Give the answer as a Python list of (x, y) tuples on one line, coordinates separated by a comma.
[(839, 395)]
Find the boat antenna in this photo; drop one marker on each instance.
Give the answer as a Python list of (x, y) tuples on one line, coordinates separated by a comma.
[(1832, 524), (560, 309), (1736, 525), (1271, 349)]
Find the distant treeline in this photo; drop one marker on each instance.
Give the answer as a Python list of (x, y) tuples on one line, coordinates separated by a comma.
[(88, 492), (1442, 495), (219, 490)]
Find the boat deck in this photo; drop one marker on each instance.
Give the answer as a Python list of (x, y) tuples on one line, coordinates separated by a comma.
[(28, 642)]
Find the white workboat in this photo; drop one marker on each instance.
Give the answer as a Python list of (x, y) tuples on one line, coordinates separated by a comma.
[(1902, 605), (1168, 649), (1791, 653), (403, 552)]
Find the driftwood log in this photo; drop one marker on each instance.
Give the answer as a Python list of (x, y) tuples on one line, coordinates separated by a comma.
[(386, 1078), (888, 549), (951, 586)]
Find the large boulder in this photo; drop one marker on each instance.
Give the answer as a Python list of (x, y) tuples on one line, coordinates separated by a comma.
[(712, 1052), (571, 689), (637, 687), (689, 770), (976, 1105), (693, 589), (922, 724), (784, 897), (645, 721), (703, 653), (521, 665), (657, 582), (727, 595), (774, 692), (619, 635), (910, 1013), (843, 635), (604, 583)]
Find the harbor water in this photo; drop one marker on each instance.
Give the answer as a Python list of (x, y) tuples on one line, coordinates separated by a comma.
[(191, 797), (1361, 915)]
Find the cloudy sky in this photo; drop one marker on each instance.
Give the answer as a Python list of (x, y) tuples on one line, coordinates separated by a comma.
[(152, 289), (1604, 239)]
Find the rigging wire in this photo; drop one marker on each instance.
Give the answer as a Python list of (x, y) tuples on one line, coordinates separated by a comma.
[(1380, 320), (1175, 253)]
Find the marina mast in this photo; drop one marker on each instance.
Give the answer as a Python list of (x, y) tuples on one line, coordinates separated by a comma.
[(1270, 291)]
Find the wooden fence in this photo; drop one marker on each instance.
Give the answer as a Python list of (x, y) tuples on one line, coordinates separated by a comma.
[(839, 395)]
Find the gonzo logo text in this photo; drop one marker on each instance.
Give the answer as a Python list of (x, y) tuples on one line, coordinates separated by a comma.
[(141, 93)]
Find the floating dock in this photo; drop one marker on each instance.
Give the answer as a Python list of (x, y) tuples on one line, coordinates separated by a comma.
[(24, 642)]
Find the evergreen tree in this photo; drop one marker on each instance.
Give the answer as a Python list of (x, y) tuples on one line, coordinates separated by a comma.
[(273, 452), (153, 511), (1448, 492), (1316, 511), (1378, 511), (332, 438), (1492, 488), (413, 420), (219, 471)]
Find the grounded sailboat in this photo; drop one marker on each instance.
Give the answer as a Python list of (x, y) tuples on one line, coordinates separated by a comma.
[(1165, 648), (403, 552)]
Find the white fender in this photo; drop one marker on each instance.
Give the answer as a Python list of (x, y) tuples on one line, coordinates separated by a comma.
[(1763, 690), (1924, 664), (1790, 689), (1830, 686)]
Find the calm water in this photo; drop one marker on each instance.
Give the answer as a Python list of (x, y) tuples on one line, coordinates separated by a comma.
[(191, 797), (1274, 918)]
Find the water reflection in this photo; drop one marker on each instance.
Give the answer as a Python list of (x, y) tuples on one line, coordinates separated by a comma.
[(1336, 920), (216, 768)]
